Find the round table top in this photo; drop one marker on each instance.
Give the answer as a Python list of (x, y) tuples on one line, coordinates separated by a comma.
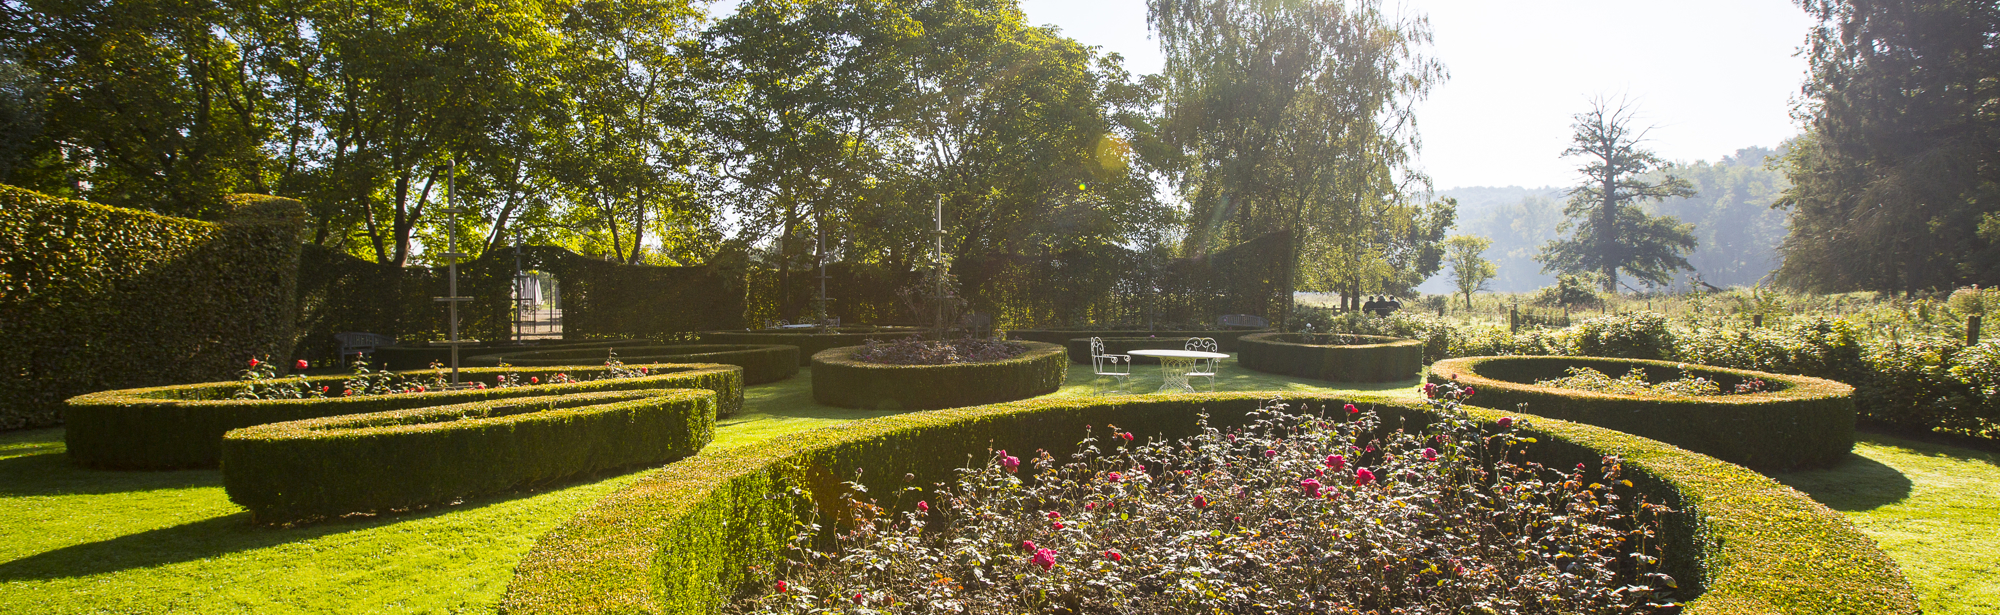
[(1178, 354)]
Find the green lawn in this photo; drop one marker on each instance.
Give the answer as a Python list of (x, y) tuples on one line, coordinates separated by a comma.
[(1935, 509), (82, 541)]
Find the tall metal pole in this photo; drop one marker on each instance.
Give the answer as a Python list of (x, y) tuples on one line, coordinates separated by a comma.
[(520, 294), (451, 255)]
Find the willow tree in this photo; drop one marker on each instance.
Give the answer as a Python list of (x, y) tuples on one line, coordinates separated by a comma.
[(1296, 115)]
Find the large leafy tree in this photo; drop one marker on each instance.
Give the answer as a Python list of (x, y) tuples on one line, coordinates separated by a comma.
[(1469, 268), (1296, 115), (1901, 164), (1607, 231)]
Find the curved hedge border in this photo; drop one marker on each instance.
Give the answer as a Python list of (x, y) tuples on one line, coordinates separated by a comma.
[(1805, 422), (761, 363), (422, 356), (326, 467), (1226, 339), (810, 343), (683, 540), (839, 380), (1379, 359), (182, 426)]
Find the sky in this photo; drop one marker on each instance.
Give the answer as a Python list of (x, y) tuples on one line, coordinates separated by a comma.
[(1709, 76)]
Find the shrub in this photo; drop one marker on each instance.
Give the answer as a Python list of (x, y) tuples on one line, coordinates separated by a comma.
[(914, 351), (1799, 422), (810, 342), (840, 380), (95, 297), (1639, 335), (1291, 513), (327, 467), (714, 526), (1365, 358), (182, 426), (761, 363)]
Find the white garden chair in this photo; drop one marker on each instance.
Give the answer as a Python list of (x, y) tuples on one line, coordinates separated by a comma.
[(1205, 368), (1117, 366)]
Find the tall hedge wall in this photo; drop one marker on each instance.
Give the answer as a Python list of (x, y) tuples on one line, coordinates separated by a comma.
[(761, 363), (95, 297), (182, 426), (809, 342), (685, 539), (839, 380), (326, 467), (1802, 422), (1369, 359)]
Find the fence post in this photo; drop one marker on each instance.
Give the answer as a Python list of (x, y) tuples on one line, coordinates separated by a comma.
[(1514, 320), (1756, 320), (1972, 329)]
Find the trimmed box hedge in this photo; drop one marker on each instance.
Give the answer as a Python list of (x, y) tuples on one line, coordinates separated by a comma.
[(357, 463), (810, 342), (1375, 359), (686, 539), (421, 356), (1802, 422), (1224, 338), (839, 380), (94, 297), (1079, 348), (182, 426), (761, 363)]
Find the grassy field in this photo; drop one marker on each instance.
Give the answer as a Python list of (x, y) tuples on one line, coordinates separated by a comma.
[(85, 541)]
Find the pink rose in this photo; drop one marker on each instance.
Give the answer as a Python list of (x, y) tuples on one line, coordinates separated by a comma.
[(1337, 462), (1430, 454), (1506, 422), (1311, 486), (1363, 477), (1353, 410), (1044, 558), (1114, 477)]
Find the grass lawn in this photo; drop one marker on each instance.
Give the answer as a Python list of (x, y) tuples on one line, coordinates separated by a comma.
[(85, 541), (1934, 508)]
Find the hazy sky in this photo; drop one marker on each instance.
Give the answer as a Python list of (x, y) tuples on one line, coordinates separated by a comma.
[(1711, 76)]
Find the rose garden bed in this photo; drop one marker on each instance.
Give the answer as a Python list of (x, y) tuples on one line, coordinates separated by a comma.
[(1333, 357), (841, 380), (1796, 422), (761, 363)]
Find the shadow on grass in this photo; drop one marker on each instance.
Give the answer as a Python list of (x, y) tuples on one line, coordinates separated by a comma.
[(1857, 484), (48, 472), (1934, 445)]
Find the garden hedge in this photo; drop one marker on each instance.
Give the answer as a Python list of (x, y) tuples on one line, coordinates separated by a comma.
[(1802, 422), (809, 342), (327, 467), (1226, 339), (839, 380), (182, 426), (689, 538), (421, 356), (1372, 359), (95, 297), (761, 363)]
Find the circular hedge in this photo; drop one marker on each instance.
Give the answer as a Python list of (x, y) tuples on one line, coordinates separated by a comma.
[(694, 535), (1079, 348), (1801, 422), (1225, 339), (810, 341), (327, 467), (181, 426), (421, 356), (1373, 359), (839, 380), (761, 363)]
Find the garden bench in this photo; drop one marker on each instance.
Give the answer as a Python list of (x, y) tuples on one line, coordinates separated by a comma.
[(359, 343), (1243, 320)]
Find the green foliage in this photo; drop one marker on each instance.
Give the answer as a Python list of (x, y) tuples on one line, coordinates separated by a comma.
[(1356, 358), (809, 342), (95, 297), (327, 467), (690, 539), (840, 380), (1571, 290), (1607, 230), (1469, 270), (1736, 230), (1639, 335), (1633, 383), (1799, 422), (761, 363), (182, 426)]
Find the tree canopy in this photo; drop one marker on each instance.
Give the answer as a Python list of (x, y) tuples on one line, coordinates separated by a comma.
[(1607, 231)]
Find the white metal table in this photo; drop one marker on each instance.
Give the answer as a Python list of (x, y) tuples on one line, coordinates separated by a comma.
[(1174, 366)]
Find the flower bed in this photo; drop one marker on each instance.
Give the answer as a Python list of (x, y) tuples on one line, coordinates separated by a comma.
[(1224, 338), (421, 356), (810, 341), (1336, 358), (1797, 422), (1079, 348), (840, 380), (761, 363), (182, 426), (327, 467), (914, 351), (710, 528)]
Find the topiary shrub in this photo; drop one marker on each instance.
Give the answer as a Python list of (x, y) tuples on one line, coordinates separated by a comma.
[(761, 363), (1361, 358), (840, 380), (95, 297), (327, 467), (1799, 422), (182, 426), (810, 341), (691, 537)]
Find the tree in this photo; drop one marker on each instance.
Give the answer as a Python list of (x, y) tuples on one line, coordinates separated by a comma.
[(1608, 232), (1469, 269), (1901, 161)]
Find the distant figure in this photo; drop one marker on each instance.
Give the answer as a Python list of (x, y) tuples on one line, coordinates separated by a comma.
[(1381, 305)]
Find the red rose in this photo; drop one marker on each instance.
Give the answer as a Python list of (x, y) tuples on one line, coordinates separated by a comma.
[(300, 365)]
